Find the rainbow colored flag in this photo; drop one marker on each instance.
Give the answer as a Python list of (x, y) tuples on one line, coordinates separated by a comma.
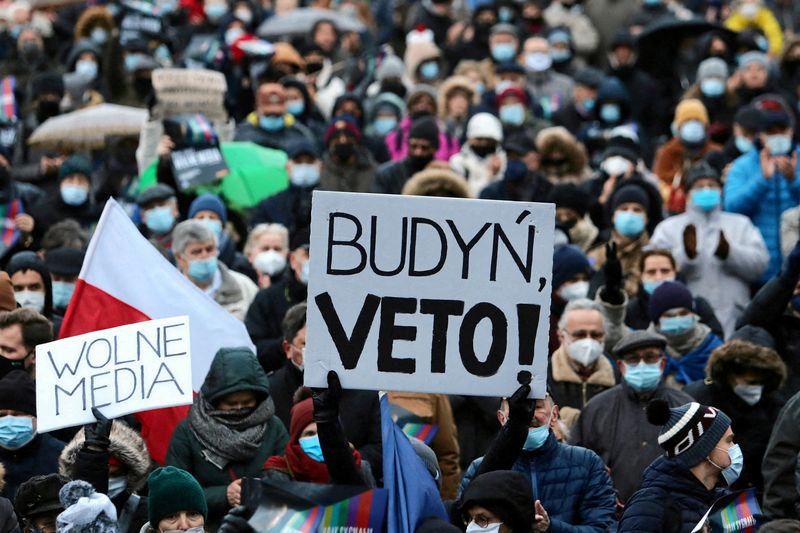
[(9, 232), (363, 512), (741, 515), (424, 432)]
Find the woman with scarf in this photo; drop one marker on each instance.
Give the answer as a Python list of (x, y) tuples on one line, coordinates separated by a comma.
[(230, 430)]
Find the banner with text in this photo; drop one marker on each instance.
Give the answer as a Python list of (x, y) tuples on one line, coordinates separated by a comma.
[(428, 294), (120, 370)]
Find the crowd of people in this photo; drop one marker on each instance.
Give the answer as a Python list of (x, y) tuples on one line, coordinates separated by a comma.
[(664, 131)]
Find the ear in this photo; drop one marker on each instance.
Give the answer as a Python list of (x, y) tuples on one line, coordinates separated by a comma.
[(561, 336), (289, 165), (286, 349), (501, 417), (663, 363), (554, 417), (622, 367)]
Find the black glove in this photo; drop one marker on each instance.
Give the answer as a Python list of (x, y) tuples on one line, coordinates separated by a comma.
[(612, 269), (326, 401), (236, 521), (97, 433), (520, 407)]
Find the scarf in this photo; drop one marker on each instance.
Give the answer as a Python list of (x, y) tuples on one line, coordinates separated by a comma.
[(300, 467), (228, 436)]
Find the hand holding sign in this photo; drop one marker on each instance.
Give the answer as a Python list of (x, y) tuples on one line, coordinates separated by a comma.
[(326, 401)]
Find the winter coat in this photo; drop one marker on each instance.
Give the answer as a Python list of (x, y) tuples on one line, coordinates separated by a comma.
[(186, 452), (534, 188), (291, 207), (348, 177), (673, 159), (236, 292), (763, 200), (397, 142), (584, 35), (780, 461), (435, 409), (127, 447), (38, 457), (571, 482), (53, 209), (570, 392), (671, 499), (8, 518), (629, 257), (391, 177), (263, 319), (292, 132), (790, 229), (768, 310), (688, 353), (614, 425), (725, 283), (359, 412), (550, 90), (764, 21), (475, 169), (476, 420), (637, 313)]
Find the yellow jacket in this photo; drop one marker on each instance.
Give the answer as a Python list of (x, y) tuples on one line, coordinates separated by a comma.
[(765, 21)]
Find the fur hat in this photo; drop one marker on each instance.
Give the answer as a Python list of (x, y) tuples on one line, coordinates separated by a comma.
[(85, 510), (738, 357), (435, 181)]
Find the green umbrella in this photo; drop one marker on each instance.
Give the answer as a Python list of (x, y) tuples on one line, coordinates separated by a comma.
[(255, 173)]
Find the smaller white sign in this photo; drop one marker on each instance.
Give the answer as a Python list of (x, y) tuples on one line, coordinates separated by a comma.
[(120, 370)]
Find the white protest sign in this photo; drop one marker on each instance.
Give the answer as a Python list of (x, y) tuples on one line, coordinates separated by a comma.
[(428, 294), (120, 370)]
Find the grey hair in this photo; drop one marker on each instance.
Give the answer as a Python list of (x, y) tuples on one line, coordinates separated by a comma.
[(190, 231), (581, 303), (263, 229)]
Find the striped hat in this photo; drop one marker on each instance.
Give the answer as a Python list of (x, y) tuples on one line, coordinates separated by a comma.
[(689, 432)]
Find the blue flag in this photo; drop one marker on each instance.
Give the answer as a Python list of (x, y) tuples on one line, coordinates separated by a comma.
[(413, 495)]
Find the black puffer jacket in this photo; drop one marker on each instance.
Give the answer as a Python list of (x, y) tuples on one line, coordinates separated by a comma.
[(671, 500)]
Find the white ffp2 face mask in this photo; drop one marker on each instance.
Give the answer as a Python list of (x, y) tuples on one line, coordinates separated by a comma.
[(472, 527), (585, 351)]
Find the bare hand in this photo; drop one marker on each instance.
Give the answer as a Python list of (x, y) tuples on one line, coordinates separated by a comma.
[(494, 165), (165, 146), (767, 164), (234, 493), (542, 520), (48, 165), (264, 280), (24, 223), (608, 188)]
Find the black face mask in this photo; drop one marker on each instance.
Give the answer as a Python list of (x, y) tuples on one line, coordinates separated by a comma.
[(484, 149), (343, 151), (417, 163), (46, 109), (7, 365), (416, 115), (554, 162), (312, 68), (395, 86), (569, 223)]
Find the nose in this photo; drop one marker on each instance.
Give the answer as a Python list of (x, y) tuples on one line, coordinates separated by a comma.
[(183, 522)]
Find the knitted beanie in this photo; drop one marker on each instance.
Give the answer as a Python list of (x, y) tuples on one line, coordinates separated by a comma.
[(570, 196), (690, 109), (701, 170), (669, 295), (713, 67), (689, 432), (342, 123), (301, 415), (630, 193), (171, 490), (425, 128), (75, 164), (85, 510), (568, 262), (209, 202), (18, 393)]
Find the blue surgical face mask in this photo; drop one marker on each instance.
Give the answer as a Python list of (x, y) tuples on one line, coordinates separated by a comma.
[(203, 270), (86, 68), (502, 52), (536, 438), (712, 87), (610, 113), (271, 122), (383, 125), (676, 325), (588, 104), (116, 485), (304, 272), (692, 131), (628, 223), (62, 293), (650, 286), (743, 144), (429, 71), (304, 175), (160, 219), (513, 114), (99, 35), (731, 472), (214, 225), (779, 144), (560, 55), (311, 447), (296, 107), (74, 194), (15, 431), (643, 376), (706, 199)]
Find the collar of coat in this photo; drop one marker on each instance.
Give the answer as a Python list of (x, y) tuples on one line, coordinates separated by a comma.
[(562, 370)]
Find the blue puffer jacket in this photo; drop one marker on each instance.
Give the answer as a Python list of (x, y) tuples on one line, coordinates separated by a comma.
[(763, 200), (571, 482), (670, 500)]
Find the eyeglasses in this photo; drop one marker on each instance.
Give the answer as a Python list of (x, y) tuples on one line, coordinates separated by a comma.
[(585, 334), (648, 357), (480, 520)]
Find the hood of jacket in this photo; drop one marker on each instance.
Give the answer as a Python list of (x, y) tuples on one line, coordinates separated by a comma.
[(390, 99), (437, 182), (234, 370), (416, 54), (126, 446), (451, 84), (94, 17), (558, 140), (737, 357)]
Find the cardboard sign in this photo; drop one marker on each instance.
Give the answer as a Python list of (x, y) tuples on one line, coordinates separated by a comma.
[(198, 166), (119, 370), (429, 294)]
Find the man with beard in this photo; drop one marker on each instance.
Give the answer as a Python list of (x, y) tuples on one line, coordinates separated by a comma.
[(423, 141)]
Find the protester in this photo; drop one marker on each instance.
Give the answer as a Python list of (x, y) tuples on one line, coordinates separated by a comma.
[(678, 488), (423, 143), (177, 501), (33, 286), (37, 502), (158, 206), (270, 124), (211, 211), (267, 250), (21, 331), (346, 164), (482, 159), (501, 498), (64, 264), (229, 433), (606, 422)]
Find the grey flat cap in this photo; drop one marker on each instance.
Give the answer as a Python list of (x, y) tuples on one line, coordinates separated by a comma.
[(640, 338), (155, 193)]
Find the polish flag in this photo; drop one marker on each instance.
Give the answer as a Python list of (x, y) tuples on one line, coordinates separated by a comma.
[(124, 279)]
